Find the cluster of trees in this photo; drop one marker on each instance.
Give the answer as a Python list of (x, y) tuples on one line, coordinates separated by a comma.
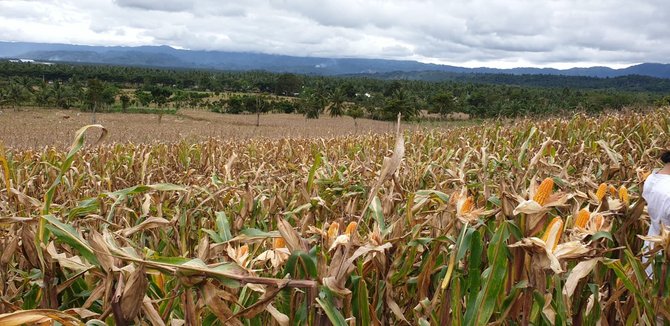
[(21, 91), (102, 87)]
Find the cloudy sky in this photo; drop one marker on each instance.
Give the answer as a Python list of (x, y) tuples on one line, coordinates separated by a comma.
[(494, 33)]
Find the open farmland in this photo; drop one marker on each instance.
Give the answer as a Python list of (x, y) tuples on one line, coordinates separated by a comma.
[(531, 223), (42, 127)]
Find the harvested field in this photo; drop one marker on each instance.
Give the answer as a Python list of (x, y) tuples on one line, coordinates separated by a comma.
[(47, 127)]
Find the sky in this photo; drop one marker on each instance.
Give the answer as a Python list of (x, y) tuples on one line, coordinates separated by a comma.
[(470, 33)]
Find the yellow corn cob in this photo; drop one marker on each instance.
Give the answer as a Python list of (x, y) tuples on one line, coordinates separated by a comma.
[(278, 243), (333, 230), (467, 205), (351, 228), (544, 191), (613, 191), (600, 193), (623, 195), (552, 235), (582, 218), (160, 280)]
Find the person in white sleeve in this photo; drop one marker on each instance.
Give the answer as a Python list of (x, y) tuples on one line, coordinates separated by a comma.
[(656, 193)]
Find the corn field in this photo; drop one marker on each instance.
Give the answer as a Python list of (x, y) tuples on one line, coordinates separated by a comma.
[(536, 222)]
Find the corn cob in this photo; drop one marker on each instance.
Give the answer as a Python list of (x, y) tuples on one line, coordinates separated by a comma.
[(552, 235), (333, 230), (467, 206), (613, 191), (600, 193), (544, 191), (582, 218), (351, 228), (623, 195), (278, 243)]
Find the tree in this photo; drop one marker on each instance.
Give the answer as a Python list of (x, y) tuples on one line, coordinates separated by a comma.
[(235, 104), (61, 96), (109, 95), (125, 102), (283, 106), (160, 95), (355, 112), (312, 102), (94, 95), (43, 94), (399, 102), (337, 102), (257, 104), (16, 94), (143, 97), (288, 84), (4, 98), (442, 103)]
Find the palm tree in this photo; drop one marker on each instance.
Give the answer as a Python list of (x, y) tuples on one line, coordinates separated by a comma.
[(62, 95), (313, 102), (43, 94), (16, 94), (337, 98), (399, 102)]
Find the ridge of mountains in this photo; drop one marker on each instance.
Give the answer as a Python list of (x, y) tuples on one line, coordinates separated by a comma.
[(168, 57)]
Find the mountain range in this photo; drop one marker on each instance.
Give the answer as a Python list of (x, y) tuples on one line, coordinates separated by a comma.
[(168, 57)]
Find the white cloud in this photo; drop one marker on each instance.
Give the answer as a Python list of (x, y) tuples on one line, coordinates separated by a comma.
[(472, 33)]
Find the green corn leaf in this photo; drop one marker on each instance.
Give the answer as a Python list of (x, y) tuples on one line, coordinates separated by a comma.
[(334, 315), (68, 234), (213, 235), (223, 226), (318, 159), (361, 302), (473, 280), (65, 166), (493, 286), (378, 214)]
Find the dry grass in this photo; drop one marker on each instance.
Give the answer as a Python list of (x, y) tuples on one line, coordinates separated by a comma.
[(49, 127)]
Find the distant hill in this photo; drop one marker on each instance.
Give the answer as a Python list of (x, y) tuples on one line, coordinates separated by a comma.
[(165, 56)]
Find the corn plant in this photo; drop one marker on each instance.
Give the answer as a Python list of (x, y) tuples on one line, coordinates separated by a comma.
[(532, 222)]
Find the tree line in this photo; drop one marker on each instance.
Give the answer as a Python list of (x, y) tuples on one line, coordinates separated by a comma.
[(99, 87)]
